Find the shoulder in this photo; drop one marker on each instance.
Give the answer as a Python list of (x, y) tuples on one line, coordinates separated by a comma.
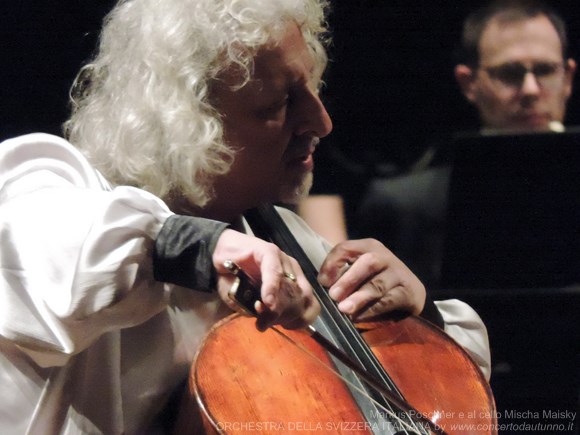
[(38, 144), (40, 151)]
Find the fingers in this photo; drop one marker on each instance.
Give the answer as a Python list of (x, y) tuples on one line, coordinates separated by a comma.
[(276, 287), (370, 302), (291, 301), (363, 276), (374, 282), (286, 295)]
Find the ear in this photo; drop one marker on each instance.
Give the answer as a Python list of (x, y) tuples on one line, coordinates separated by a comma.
[(465, 77), (570, 71)]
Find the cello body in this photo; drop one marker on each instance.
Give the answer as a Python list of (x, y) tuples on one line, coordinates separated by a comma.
[(246, 381)]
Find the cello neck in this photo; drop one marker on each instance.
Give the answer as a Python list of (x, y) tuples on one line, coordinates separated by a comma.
[(267, 224)]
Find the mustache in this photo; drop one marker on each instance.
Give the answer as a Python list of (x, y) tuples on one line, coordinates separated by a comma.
[(304, 142)]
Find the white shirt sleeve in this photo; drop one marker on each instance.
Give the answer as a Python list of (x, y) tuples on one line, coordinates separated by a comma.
[(465, 326), (75, 256)]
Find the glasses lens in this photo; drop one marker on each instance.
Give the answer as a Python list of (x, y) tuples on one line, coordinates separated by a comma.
[(512, 74), (509, 74), (545, 69)]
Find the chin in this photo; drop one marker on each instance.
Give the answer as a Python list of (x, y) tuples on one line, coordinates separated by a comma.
[(293, 193)]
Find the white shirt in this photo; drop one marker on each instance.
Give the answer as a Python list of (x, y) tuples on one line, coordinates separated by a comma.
[(89, 341)]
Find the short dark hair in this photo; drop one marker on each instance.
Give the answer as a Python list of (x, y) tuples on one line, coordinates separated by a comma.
[(506, 10)]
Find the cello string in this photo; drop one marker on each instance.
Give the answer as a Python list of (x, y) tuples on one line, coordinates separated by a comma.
[(267, 224), (361, 344), (389, 399), (357, 388), (375, 383)]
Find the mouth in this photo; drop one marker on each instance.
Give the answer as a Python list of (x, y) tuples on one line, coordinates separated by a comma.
[(534, 119), (302, 155)]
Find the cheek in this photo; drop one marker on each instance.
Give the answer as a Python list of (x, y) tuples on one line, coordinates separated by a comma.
[(560, 99), (259, 146), (494, 102), (258, 159)]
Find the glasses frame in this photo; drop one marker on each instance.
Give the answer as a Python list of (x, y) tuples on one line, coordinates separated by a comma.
[(548, 75)]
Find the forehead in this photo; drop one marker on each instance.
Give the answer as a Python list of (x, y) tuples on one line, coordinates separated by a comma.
[(281, 65), (276, 66), (526, 40)]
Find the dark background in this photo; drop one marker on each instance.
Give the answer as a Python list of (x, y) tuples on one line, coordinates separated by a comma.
[(390, 88), (391, 85), (391, 93)]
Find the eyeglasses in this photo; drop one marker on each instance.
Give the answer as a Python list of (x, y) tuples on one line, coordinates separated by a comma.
[(512, 75)]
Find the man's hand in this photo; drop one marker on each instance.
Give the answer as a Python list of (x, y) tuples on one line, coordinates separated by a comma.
[(366, 279), (287, 297)]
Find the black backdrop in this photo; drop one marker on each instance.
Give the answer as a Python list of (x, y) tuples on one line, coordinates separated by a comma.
[(390, 86), (391, 90)]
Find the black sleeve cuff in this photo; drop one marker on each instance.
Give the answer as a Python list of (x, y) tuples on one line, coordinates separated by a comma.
[(183, 252), (431, 313)]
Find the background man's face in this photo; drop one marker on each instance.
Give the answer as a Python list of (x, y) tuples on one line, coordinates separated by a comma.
[(522, 82)]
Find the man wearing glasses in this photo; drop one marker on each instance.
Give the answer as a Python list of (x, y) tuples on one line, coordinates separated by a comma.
[(515, 69)]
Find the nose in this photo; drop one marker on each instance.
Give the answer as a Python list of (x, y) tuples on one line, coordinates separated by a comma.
[(530, 84), (313, 119)]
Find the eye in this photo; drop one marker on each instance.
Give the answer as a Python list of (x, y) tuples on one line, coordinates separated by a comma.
[(512, 74), (273, 110), (545, 69)]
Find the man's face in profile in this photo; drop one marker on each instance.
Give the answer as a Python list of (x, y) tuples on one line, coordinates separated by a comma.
[(274, 123)]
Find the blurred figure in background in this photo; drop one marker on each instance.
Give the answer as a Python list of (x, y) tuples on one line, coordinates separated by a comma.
[(325, 214), (514, 68)]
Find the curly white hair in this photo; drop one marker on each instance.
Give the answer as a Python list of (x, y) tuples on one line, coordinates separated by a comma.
[(141, 110)]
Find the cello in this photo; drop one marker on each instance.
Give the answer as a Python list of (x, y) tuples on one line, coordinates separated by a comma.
[(394, 375)]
